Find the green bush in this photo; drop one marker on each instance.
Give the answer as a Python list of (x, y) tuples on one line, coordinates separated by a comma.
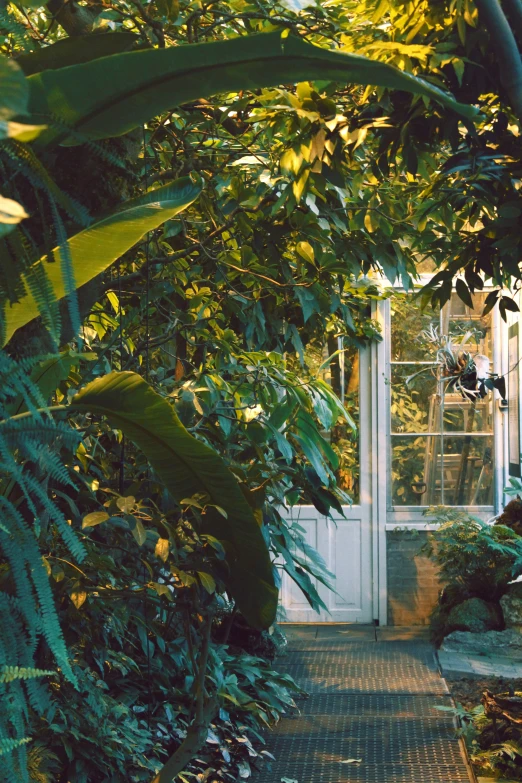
[(474, 557)]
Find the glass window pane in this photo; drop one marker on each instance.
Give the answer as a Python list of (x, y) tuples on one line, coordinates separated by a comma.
[(414, 406), (416, 470), (344, 439), (468, 416), (410, 328), (468, 471)]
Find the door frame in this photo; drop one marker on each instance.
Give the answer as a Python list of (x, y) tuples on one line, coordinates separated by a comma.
[(386, 518), (374, 433)]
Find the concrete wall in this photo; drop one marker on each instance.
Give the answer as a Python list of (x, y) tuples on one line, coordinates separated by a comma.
[(413, 583)]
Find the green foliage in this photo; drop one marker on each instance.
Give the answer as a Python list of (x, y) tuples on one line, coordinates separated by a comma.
[(514, 489), (15, 90), (308, 189), (72, 51), (188, 467), (495, 749), (94, 249), (31, 451), (474, 555), (123, 91)]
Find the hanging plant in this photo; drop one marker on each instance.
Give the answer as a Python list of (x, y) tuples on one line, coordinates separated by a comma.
[(460, 370)]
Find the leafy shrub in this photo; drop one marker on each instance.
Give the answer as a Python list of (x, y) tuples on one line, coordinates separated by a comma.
[(474, 557), (494, 750)]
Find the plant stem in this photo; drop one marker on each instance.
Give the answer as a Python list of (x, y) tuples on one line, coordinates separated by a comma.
[(28, 414), (197, 732), (505, 46), (514, 11)]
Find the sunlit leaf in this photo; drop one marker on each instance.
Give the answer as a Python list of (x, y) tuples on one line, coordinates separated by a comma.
[(97, 247), (95, 518)]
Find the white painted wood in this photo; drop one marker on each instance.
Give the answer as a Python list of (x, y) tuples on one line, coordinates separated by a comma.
[(354, 548), (381, 470), (345, 543)]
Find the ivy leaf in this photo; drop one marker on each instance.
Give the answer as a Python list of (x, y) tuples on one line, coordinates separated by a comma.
[(126, 504), (78, 596), (137, 529)]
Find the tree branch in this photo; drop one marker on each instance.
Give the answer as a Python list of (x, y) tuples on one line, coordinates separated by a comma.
[(75, 19), (505, 46), (197, 732)]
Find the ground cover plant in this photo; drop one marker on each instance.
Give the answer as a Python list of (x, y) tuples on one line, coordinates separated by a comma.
[(495, 750), (167, 258)]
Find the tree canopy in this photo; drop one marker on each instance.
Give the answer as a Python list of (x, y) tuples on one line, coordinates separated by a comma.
[(200, 201)]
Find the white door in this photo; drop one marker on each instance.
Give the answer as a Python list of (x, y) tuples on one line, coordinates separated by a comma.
[(345, 543)]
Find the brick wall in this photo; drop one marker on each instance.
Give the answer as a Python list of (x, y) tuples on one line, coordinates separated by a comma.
[(413, 583)]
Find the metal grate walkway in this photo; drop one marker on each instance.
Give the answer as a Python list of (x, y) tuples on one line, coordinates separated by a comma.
[(371, 714)]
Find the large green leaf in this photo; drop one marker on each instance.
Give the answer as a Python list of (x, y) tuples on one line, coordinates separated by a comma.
[(78, 49), (113, 95), (187, 466), (14, 89), (95, 248)]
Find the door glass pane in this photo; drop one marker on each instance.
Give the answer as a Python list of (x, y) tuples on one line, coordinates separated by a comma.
[(411, 330), (459, 320), (468, 415), (342, 373), (468, 471), (413, 398), (415, 466), (454, 464)]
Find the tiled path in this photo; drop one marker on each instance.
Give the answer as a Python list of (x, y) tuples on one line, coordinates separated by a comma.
[(370, 716)]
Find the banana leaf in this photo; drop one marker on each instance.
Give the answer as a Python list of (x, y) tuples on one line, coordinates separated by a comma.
[(46, 376), (95, 248), (75, 50), (187, 466), (14, 90), (112, 95)]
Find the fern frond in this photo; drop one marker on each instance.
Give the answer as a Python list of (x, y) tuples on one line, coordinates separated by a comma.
[(7, 745), (11, 673), (23, 156), (26, 557), (67, 268), (43, 294)]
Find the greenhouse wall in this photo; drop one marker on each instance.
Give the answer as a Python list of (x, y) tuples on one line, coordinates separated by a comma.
[(413, 583)]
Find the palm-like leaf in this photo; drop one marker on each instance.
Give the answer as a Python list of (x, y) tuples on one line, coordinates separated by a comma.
[(187, 466), (112, 95), (95, 248)]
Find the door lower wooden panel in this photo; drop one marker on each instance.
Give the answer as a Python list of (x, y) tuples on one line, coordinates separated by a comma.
[(345, 545)]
